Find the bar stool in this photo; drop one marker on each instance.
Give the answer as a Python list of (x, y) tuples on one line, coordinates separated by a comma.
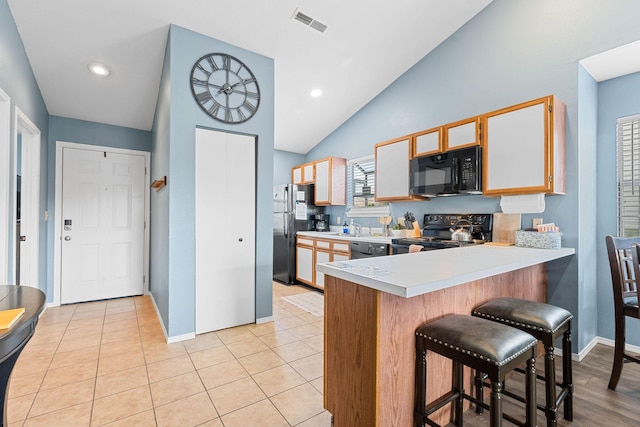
[(481, 345), (545, 322)]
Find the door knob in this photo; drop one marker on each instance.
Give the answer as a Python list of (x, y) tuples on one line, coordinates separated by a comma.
[(67, 238), (240, 239)]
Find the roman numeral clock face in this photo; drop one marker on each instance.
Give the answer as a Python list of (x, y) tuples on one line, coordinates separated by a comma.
[(225, 88)]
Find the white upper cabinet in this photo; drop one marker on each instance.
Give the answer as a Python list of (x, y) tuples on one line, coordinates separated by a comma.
[(331, 181), (427, 142), (464, 133), (524, 149), (392, 169)]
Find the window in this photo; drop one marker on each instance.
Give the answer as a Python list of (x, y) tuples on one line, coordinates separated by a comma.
[(628, 165), (361, 189)]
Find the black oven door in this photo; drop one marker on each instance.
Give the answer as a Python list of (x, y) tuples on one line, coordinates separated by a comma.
[(434, 175)]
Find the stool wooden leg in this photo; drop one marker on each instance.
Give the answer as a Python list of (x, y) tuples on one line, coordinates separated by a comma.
[(618, 354), (458, 387), (567, 375), (495, 405), (420, 391), (550, 410), (530, 393), (479, 378)]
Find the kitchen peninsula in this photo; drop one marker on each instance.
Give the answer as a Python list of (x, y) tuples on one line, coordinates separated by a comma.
[(373, 306)]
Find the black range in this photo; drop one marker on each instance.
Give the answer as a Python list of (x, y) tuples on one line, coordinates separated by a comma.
[(436, 232)]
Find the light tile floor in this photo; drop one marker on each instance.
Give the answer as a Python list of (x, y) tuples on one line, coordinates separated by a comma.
[(106, 363)]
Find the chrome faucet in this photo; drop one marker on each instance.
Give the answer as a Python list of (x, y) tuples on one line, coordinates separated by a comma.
[(357, 229)]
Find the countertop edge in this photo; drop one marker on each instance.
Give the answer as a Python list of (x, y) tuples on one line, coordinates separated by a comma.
[(391, 283)]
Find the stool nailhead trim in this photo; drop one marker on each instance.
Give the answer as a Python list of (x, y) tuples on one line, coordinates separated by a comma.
[(471, 353), (512, 322)]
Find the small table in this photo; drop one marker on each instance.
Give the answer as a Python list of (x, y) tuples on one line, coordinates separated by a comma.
[(13, 340)]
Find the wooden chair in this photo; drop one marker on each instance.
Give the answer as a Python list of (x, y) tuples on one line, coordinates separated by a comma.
[(625, 273)]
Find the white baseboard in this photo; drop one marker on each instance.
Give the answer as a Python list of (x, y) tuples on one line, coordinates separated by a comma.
[(597, 340), (167, 338), (264, 320)]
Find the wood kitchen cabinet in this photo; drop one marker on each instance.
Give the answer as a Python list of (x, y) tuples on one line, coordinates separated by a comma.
[(331, 181), (392, 169), (428, 142), (524, 148), (329, 176), (305, 265), (311, 251), (303, 174), (461, 134)]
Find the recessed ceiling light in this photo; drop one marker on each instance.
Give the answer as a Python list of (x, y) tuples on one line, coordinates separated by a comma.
[(316, 93), (99, 69)]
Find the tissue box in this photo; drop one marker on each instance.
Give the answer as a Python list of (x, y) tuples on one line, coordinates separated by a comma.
[(534, 239)]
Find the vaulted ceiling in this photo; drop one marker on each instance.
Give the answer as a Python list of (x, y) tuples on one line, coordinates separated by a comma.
[(365, 47)]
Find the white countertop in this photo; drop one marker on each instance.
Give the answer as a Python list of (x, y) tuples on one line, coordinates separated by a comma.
[(348, 237), (418, 273)]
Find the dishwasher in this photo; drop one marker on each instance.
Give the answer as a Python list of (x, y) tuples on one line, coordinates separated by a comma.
[(361, 250)]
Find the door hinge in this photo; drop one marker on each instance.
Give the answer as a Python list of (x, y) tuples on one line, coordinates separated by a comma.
[(105, 154), (550, 178), (144, 279), (550, 108)]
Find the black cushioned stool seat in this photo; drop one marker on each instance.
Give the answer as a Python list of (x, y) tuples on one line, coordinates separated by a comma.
[(545, 322), (483, 345)]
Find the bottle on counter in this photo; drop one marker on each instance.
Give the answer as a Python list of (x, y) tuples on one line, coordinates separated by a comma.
[(345, 228)]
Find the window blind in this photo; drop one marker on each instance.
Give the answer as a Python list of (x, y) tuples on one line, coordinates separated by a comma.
[(628, 167), (361, 188)]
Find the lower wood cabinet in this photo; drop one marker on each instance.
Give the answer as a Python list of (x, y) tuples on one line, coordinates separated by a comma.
[(310, 251)]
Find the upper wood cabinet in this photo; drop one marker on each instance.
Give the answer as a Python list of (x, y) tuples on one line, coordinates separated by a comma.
[(427, 142), (524, 148), (303, 174), (331, 181), (461, 134), (392, 169)]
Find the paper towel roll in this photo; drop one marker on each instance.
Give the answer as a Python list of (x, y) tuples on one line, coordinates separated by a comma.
[(523, 203)]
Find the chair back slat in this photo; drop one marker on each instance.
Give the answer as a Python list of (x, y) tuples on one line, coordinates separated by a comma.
[(624, 264)]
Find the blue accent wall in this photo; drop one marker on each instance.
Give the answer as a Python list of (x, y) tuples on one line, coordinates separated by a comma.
[(174, 151), (88, 133), (511, 52), (283, 162), (617, 98), (18, 81)]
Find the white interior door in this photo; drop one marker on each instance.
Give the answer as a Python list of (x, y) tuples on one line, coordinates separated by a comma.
[(102, 225), (225, 230)]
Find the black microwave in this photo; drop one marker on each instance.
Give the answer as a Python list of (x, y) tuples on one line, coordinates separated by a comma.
[(446, 174)]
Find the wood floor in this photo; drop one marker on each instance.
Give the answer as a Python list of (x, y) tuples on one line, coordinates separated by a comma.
[(594, 404)]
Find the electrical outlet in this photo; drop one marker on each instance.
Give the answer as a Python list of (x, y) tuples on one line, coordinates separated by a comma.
[(338, 221), (535, 222)]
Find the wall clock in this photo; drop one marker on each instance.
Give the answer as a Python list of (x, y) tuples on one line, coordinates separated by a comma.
[(225, 88)]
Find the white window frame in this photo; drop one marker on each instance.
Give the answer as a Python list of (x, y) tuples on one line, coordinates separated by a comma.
[(628, 175), (382, 208)]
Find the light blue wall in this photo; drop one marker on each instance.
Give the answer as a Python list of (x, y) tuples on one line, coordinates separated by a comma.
[(178, 293), (617, 98), (89, 133), (18, 81), (283, 162), (512, 52)]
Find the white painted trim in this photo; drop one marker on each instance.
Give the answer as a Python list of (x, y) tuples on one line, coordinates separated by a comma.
[(264, 320), (57, 246), (5, 183), (30, 192), (167, 338)]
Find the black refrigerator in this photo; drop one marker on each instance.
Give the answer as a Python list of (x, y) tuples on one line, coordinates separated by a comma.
[(293, 211)]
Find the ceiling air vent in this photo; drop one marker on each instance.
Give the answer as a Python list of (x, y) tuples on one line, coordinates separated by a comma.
[(309, 21)]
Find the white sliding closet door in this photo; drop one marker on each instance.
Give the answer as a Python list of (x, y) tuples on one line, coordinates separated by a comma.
[(225, 229)]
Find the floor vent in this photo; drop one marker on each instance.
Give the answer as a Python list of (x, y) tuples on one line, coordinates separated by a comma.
[(309, 21)]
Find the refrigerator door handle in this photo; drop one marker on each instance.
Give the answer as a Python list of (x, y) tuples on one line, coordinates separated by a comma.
[(284, 220)]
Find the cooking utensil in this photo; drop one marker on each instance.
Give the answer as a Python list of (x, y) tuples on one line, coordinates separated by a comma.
[(461, 234)]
